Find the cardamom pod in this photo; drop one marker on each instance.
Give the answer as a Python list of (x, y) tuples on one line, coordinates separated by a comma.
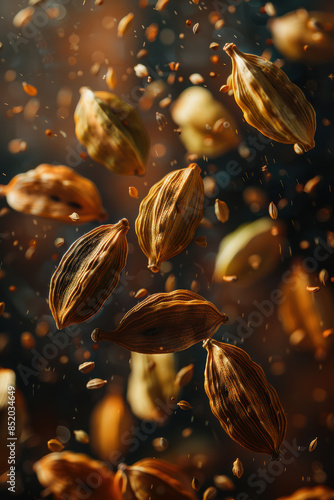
[(311, 493), (112, 131), (170, 214), (246, 405), (165, 322), (270, 101), (110, 421), (304, 315), (151, 385), (304, 36), (61, 473), (250, 252), (152, 479), (54, 191), (88, 273), (207, 127)]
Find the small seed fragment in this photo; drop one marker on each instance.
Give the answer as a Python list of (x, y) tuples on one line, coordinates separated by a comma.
[(59, 242), (214, 46), (238, 468), (313, 445), (161, 119), (111, 79), (74, 216), (160, 444), (141, 71), (29, 89), (313, 289), (81, 436), (86, 367), (185, 375), (273, 212), (196, 79), (195, 484), (221, 210), (140, 293), (201, 241), (224, 482), (96, 383), (196, 28), (55, 445), (133, 192), (184, 405), (125, 24), (210, 493), (2, 308)]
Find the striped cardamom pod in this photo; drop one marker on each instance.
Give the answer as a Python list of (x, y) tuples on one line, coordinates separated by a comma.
[(152, 479), (246, 405), (270, 101), (165, 322), (112, 131), (55, 192), (88, 273), (170, 214), (151, 384), (67, 474)]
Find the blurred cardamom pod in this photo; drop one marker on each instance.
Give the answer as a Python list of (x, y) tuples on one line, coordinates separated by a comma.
[(54, 192), (151, 385), (170, 214), (246, 405), (311, 493), (88, 273), (304, 36), (112, 131), (61, 473), (270, 101), (152, 479), (165, 322)]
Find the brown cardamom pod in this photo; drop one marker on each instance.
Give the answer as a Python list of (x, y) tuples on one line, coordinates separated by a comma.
[(246, 405), (88, 273), (311, 493), (112, 131), (170, 214), (165, 322), (61, 473), (270, 101), (152, 479), (55, 192)]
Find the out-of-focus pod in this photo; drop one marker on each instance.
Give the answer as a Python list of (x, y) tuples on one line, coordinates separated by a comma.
[(63, 473), (304, 36), (304, 312), (151, 385), (152, 479), (12, 415), (110, 425), (250, 253), (314, 493), (112, 131), (54, 192), (207, 127)]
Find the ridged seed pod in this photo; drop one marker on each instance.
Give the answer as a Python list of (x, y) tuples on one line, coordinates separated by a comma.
[(152, 479), (151, 382), (112, 131), (246, 405), (170, 214), (165, 322), (88, 273), (54, 192), (270, 101), (63, 474)]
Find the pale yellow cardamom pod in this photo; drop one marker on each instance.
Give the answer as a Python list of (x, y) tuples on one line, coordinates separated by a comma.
[(112, 131), (170, 214), (151, 385), (270, 101)]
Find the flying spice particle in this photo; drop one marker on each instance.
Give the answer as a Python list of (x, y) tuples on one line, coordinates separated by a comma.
[(238, 468), (29, 89), (273, 212), (221, 210), (74, 216), (313, 444), (125, 24), (171, 283), (96, 383), (161, 119), (195, 484), (133, 192), (210, 493), (86, 367), (224, 482), (111, 79), (185, 375), (59, 242), (160, 444), (196, 28), (81, 436), (55, 445), (142, 292), (2, 308), (184, 405), (201, 241)]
